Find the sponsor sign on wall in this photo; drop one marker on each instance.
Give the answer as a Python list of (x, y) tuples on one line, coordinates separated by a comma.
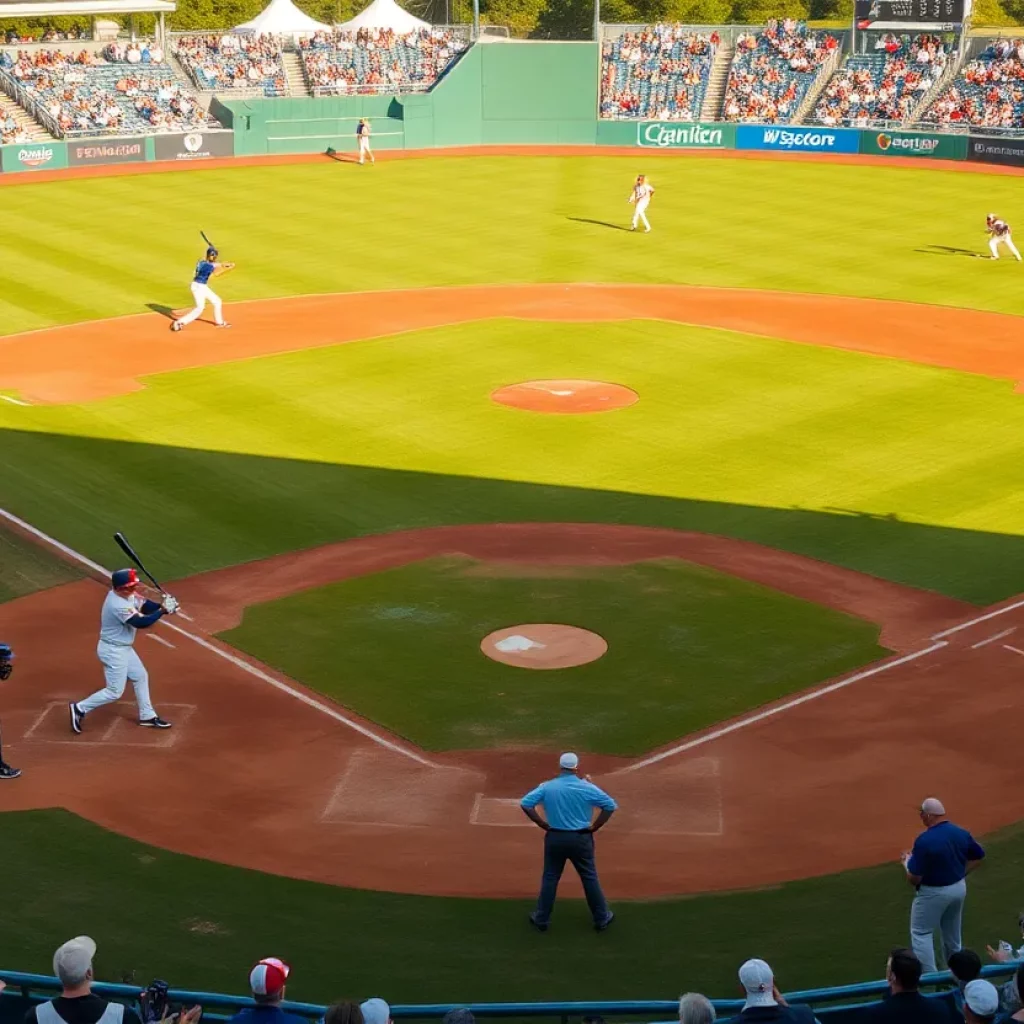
[(946, 147), (34, 156), (680, 135), (991, 149), (797, 138), (106, 151), (195, 145)]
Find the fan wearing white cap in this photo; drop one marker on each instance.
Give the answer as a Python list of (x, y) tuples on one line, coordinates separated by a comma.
[(72, 963), (937, 867), (569, 825), (267, 984), (762, 1000)]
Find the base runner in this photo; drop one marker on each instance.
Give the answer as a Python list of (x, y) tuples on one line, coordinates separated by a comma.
[(641, 199), (203, 293), (363, 137), (124, 613), (999, 234)]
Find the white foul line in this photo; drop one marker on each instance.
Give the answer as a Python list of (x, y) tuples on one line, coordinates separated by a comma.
[(15, 401), (317, 705), (1016, 650), (990, 639), (980, 618), (760, 716)]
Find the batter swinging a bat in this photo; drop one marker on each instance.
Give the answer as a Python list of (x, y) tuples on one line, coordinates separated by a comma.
[(206, 268), (124, 612)]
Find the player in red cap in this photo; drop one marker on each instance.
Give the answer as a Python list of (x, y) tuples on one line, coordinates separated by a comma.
[(124, 612)]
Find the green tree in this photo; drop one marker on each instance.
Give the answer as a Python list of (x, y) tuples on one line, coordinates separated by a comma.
[(520, 16), (566, 19)]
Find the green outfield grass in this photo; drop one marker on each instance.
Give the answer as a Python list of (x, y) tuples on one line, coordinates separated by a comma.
[(837, 455), (687, 647), (201, 925), (26, 566)]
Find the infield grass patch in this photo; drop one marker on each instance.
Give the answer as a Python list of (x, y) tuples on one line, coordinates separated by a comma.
[(26, 566)]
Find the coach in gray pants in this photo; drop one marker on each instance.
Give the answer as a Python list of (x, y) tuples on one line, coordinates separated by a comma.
[(943, 855)]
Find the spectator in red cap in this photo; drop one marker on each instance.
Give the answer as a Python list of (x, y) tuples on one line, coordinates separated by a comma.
[(267, 982)]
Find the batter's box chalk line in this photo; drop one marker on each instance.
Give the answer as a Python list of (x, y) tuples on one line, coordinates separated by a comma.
[(121, 732)]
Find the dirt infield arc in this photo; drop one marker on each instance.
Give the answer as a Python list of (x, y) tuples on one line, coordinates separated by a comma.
[(110, 357), (312, 798)]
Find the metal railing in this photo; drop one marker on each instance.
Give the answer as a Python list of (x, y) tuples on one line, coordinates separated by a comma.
[(217, 1006)]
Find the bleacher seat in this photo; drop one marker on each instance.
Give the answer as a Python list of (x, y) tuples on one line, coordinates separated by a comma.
[(233, 63), (987, 93)]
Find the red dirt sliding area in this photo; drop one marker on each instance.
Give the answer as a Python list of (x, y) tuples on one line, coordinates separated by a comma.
[(318, 793)]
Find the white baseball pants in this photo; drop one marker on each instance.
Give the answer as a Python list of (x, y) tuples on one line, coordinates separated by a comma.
[(995, 241), (203, 293), (937, 907), (640, 214), (119, 665), (364, 149)]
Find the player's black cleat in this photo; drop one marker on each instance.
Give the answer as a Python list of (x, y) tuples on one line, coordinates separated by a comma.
[(76, 719), (7, 772), (154, 723)]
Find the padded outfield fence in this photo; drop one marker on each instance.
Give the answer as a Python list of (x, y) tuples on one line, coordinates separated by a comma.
[(840, 1005), (502, 94)]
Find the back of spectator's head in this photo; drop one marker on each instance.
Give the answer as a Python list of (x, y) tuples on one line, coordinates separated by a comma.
[(1018, 983), (964, 965), (460, 1015), (72, 962), (375, 1011), (904, 969), (981, 1001), (344, 1012), (696, 1009), (758, 984), (267, 980)]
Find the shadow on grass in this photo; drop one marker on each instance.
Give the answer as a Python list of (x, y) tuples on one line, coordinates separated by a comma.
[(599, 223), (950, 250)]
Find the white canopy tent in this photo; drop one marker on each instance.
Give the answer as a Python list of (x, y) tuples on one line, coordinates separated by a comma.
[(281, 17), (384, 14)]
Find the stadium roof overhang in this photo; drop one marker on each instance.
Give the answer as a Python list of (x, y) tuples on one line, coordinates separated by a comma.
[(86, 8)]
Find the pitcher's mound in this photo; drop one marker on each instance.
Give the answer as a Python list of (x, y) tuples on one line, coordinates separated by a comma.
[(543, 645), (565, 396)]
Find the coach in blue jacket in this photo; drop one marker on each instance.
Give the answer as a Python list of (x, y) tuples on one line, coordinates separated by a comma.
[(569, 802)]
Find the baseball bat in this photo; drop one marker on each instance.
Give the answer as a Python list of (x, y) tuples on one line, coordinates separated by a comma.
[(122, 543), (207, 240)]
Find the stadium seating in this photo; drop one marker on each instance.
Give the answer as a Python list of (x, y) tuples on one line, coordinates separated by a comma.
[(10, 130), (772, 71), (377, 60), (882, 86), (88, 95), (659, 72), (987, 93), (233, 62)]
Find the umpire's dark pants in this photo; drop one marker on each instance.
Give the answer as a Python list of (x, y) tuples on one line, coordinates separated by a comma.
[(578, 848)]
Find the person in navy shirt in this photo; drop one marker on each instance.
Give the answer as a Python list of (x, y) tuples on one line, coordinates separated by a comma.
[(569, 803), (267, 983), (203, 293), (942, 857)]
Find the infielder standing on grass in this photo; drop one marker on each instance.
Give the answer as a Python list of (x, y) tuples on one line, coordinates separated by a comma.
[(640, 197), (999, 234), (203, 293), (943, 856), (363, 136), (124, 612)]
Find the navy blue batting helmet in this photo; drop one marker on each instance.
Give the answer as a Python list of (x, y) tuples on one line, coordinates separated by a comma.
[(124, 578), (211, 253)]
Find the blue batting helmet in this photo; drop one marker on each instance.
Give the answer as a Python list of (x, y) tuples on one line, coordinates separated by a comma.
[(124, 578)]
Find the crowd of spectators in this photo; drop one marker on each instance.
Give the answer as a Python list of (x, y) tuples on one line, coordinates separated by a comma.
[(86, 93), (375, 60), (988, 92), (10, 130), (772, 71), (142, 52), (12, 37), (231, 61), (885, 85), (658, 72)]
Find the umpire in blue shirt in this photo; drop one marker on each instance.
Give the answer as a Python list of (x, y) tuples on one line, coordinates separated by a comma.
[(569, 803), (943, 855)]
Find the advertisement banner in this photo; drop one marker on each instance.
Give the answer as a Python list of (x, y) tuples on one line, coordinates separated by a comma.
[(797, 139), (990, 149), (944, 147), (195, 146), (34, 156), (680, 135), (106, 151)]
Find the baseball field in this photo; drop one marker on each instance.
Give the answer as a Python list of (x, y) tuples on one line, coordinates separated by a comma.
[(732, 508)]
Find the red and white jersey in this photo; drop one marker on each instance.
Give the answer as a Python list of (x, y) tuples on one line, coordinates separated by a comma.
[(999, 228), (642, 192)]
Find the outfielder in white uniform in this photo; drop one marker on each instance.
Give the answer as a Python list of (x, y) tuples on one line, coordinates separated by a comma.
[(640, 197), (363, 136), (203, 293), (124, 612), (999, 234)]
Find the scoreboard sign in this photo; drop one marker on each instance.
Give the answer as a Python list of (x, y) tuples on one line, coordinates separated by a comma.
[(910, 12)]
